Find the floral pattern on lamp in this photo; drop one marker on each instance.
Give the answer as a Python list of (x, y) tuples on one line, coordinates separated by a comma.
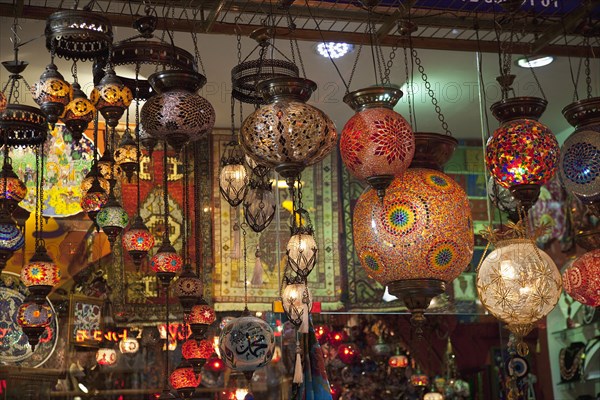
[(582, 279)]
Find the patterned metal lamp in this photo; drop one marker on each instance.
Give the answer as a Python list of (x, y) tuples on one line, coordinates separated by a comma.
[(184, 379), (377, 143), (12, 188), (297, 301), (259, 204), (33, 319), (94, 174), (301, 249), (138, 240), (78, 113), (188, 289), (52, 93)]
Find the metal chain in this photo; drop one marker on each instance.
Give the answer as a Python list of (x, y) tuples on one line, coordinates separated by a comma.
[(360, 46), (586, 63), (372, 43), (238, 37), (409, 95), (431, 94), (245, 266), (137, 135), (165, 191), (232, 118), (37, 200), (186, 205), (41, 193), (536, 78), (388, 66), (197, 209)]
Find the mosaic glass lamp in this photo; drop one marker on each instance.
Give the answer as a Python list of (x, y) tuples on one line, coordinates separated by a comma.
[(52, 93), (377, 143), (233, 177), (40, 275), (11, 238), (582, 279), (201, 316), (126, 155), (93, 201), (78, 113), (398, 361), (188, 289), (580, 154), (138, 240), (523, 153), (89, 178), (112, 218), (107, 167), (184, 380), (287, 134), (33, 319), (196, 352), (3, 101), (166, 262), (111, 97), (177, 113), (12, 188)]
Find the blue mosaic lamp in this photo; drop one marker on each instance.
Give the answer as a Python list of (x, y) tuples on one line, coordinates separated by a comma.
[(11, 238)]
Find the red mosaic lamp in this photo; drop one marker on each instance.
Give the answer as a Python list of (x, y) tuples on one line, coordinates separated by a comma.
[(138, 240), (196, 352), (3, 101), (398, 360), (33, 319), (184, 380), (377, 143), (582, 279), (188, 289), (41, 274), (348, 353), (214, 364), (93, 201), (166, 262), (201, 316)]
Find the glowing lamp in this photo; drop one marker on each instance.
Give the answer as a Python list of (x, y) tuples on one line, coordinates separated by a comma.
[(93, 201), (297, 302), (91, 176), (233, 177), (582, 279), (111, 97), (348, 353), (398, 361), (106, 355), (166, 262), (214, 364), (188, 289), (301, 249), (78, 113), (40, 275), (201, 316), (107, 167), (52, 93), (138, 240), (129, 345), (112, 218), (11, 237), (197, 352), (433, 396), (419, 380), (321, 332), (259, 205), (184, 380), (337, 337), (126, 155), (12, 188), (33, 319)]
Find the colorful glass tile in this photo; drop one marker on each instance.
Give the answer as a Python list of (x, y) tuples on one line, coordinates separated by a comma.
[(40, 273), (580, 164), (582, 279), (166, 261)]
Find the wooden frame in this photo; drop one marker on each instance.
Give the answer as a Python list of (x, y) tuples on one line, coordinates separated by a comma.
[(85, 314)]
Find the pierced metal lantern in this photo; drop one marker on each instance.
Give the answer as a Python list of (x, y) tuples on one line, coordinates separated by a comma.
[(259, 205), (301, 249), (201, 316), (184, 379), (93, 201), (138, 240), (91, 176), (196, 352), (233, 177), (52, 93), (40, 275), (580, 154), (582, 279), (111, 97), (188, 289), (112, 218), (126, 155), (166, 262), (177, 113), (33, 319), (522, 154), (78, 113), (247, 343), (11, 238), (78, 34), (296, 300), (287, 134), (12, 188), (377, 143)]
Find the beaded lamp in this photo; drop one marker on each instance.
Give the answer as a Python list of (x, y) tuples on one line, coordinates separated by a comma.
[(582, 279), (196, 352), (78, 113), (201, 316), (12, 188), (112, 218), (138, 240), (11, 237), (52, 93), (33, 319), (184, 379), (111, 97), (188, 289), (40, 275), (377, 144)]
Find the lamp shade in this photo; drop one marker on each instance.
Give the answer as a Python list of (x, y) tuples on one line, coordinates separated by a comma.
[(33, 319), (398, 361), (111, 97), (580, 164), (188, 288), (376, 142), (259, 205), (184, 380), (287, 134), (138, 240), (78, 113), (52, 93), (166, 261), (11, 238), (419, 380), (106, 355), (126, 155), (296, 299), (129, 345), (433, 396), (301, 251), (91, 176), (582, 279), (233, 177), (112, 218), (41, 274), (196, 352), (202, 314), (3, 101), (247, 343), (421, 230)]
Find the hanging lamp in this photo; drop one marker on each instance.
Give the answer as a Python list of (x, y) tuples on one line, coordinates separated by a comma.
[(12, 188), (259, 203), (93, 201), (296, 300), (188, 288), (34, 318), (11, 237), (126, 155), (233, 177), (582, 279), (301, 249), (184, 380), (112, 218), (111, 97), (79, 112), (197, 352), (3, 101)]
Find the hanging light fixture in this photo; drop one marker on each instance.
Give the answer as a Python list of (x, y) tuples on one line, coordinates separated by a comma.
[(582, 279), (78, 113), (33, 319), (233, 177), (107, 167), (92, 175), (11, 238), (188, 289), (126, 155), (112, 218), (301, 249), (196, 352), (517, 282), (138, 240), (129, 345), (106, 355), (12, 188), (94, 200), (52, 93), (201, 316), (398, 360), (296, 300), (259, 204), (111, 97), (185, 380)]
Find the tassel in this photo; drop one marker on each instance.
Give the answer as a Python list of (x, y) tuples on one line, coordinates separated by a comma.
[(298, 373), (257, 275), (305, 314)]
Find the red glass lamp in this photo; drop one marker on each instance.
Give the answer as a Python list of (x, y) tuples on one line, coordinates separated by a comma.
[(33, 319), (93, 201), (201, 316), (398, 361), (40, 275), (166, 262), (321, 332), (348, 353), (419, 380), (196, 352), (138, 240), (582, 279), (337, 337), (184, 380), (377, 143)]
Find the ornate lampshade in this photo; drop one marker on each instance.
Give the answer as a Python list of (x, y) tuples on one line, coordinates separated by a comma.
[(301, 249), (112, 218), (196, 352), (233, 177), (106, 355), (52, 93), (111, 97), (129, 345), (201, 316), (107, 167), (377, 143), (582, 279), (188, 289), (184, 380), (93, 201), (177, 113), (12, 188), (348, 353), (259, 205), (417, 239), (251, 330), (519, 284), (522, 154), (126, 155), (166, 262), (23, 125), (287, 134), (33, 319), (297, 302), (419, 380), (40, 275), (138, 240), (398, 361), (78, 113), (580, 154), (89, 178), (11, 238)]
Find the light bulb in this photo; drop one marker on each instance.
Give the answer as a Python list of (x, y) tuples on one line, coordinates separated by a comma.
[(240, 394)]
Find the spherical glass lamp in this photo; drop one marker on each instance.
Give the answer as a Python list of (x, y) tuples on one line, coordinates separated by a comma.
[(522, 154), (40, 275), (12, 188), (184, 380), (348, 353), (519, 284), (138, 240), (433, 396), (129, 345), (247, 329), (287, 134), (111, 97), (301, 249), (112, 218), (93, 201), (233, 177), (52, 93), (78, 113), (126, 155), (166, 262), (177, 113), (201, 316), (582, 279), (11, 237), (33, 319), (196, 352), (296, 299), (259, 205), (188, 289), (106, 355), (417, 239), (377, 143), (398, 361)]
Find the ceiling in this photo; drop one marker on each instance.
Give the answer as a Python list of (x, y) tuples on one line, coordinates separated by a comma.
[(446, 42)]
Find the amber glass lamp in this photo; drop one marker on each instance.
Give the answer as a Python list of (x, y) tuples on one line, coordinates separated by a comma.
[(78, 113), (92, 175), (106, 355), (94, 199), (111, 97), (52, 93), (126, 155), (184, 380), (40, 275), (196, 352)]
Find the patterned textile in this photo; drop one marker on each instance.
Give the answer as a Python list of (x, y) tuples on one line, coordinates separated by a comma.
[(315, 385)]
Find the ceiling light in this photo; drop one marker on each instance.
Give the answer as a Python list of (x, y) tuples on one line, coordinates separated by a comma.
[(534, 62), (333, 49)]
